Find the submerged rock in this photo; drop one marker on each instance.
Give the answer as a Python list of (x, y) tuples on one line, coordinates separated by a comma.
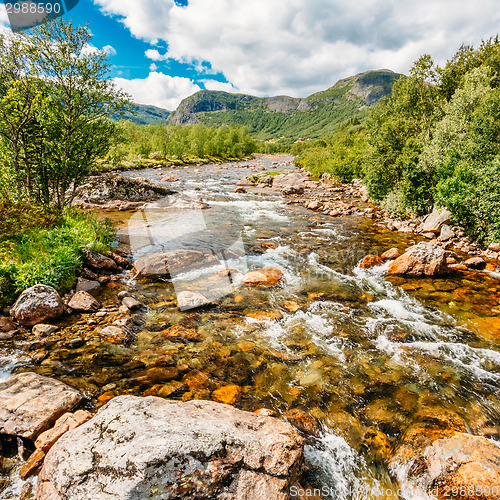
[(138, 447), (424, 259), (31, 403), (37, 304)]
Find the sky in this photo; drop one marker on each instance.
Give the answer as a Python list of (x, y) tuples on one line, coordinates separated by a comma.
[(165, 50)]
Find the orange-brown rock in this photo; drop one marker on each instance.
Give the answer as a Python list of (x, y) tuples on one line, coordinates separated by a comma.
[(32, 465), (115, 334), (423, 259), (83, 301), (227, 394), (181, 334), (391, 254), (196, 380), (462, 462), (370, 261), (68, 421), (302, 421), (264, 315), (267, 277)]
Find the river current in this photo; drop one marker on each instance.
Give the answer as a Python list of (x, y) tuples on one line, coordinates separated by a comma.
[(365, 356)]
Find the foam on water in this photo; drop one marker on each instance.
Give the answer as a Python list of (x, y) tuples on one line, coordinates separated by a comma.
[(340, 469)]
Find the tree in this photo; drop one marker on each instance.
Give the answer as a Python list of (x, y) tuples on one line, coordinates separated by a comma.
[(66, 98)]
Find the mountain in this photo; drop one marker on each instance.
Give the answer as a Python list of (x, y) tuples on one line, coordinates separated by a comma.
[(145, 114), (288, 117)]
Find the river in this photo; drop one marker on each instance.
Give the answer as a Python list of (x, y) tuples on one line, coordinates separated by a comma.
[(364, 355)]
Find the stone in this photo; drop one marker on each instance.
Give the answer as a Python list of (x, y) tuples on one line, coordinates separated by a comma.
[(475, 263), (66, 422), (181, 334), (191, 300), (37, 304), (446, 233), (121, 261), (435, 220), (293, 179), (267, 277), (314, 205), (424, 259), (131, 303), (196, 380), (391, 254), (173, 262), (32, 465), (199, 449), (265, 412), (124, 294), (84, 302), (31, 403), (227, 394), (302, 421), (6, 324), (98, 261), (290, 190), (42, 330), (370, 261), (7, 335), (85, 285), (462, 462), (240, 190), (494, 247), (115, 334)]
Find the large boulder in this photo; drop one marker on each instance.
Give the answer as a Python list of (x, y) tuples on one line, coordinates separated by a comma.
[(137, 448), (424, 259), (435, 220), (284, 180), (31, 403), (37, 304), (165, 264), (462, 463)]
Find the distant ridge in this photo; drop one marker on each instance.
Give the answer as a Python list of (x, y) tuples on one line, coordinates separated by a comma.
[(145, 114), (288, 117)]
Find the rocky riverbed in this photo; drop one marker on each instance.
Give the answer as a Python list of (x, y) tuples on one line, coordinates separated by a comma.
[(263, 299)]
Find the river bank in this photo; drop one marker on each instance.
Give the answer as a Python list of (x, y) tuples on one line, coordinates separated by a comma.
[(361, 363)]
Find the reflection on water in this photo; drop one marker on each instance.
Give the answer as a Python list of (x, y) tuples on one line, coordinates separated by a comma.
[(362, 354)]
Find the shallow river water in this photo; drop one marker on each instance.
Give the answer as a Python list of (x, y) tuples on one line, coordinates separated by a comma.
[(364, 355)]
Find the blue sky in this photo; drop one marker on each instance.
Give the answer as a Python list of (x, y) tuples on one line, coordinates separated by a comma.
[(165, 50)]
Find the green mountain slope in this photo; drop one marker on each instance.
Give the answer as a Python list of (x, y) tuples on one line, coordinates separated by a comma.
[(145, 114), (288, 117)]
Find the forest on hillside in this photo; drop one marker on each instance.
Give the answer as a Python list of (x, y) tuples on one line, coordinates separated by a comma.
[(434, 142)]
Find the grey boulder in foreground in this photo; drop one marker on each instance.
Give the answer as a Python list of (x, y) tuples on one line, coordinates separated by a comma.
[(138, 448)]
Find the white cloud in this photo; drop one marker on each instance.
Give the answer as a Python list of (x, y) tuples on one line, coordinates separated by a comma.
[(300, 46), (110, 50), (154, 55), (153, 67), (215, 85), (158, 89)]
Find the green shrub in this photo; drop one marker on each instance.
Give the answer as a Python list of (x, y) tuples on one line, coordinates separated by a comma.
[(50, 255)]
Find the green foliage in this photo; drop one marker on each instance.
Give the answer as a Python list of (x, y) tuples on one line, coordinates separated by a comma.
[(341, 155), (48, 249), (55, 98), (143, 146)]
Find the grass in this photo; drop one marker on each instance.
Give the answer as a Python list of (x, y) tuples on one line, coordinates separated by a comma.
[(39, 245)]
